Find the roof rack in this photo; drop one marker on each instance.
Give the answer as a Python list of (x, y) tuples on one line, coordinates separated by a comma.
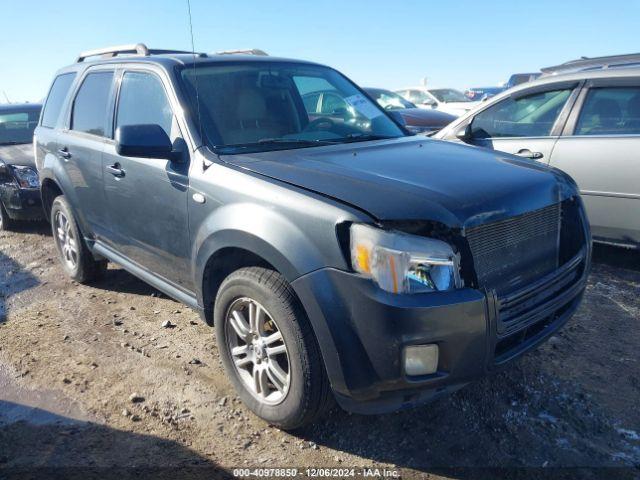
[(250, 51), (595, 63), (134, 49)]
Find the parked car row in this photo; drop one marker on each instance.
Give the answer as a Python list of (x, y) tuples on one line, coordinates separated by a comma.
[(447, 100), (416, 120), (483, 93)]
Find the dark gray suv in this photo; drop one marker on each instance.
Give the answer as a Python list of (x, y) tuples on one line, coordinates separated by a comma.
[(336, 258)]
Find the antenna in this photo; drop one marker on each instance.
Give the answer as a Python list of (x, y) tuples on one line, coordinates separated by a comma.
[(195, 76), (6, 96)]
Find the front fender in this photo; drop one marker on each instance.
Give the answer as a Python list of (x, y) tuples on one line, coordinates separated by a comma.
[(263, 232)]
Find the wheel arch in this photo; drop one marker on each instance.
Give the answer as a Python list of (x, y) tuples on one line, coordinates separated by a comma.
[(219, 265), (49, 190)]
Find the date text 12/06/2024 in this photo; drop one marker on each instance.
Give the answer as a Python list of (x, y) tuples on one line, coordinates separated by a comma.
[(316, 472)]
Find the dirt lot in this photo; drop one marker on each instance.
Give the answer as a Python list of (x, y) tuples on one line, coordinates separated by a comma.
[(71, 357)]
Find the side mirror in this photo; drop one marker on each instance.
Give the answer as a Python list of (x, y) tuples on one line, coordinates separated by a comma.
[(464, 133), (430, 103), (144, 141), (397, 117)]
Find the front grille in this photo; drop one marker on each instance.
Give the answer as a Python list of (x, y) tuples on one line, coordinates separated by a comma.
[(529, 304), (533, 268), (512, 252)]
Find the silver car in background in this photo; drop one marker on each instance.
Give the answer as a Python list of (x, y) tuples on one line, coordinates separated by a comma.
[(582, 117)]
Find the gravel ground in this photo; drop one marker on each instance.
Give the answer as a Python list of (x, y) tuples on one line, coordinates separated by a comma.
[(92, 383)]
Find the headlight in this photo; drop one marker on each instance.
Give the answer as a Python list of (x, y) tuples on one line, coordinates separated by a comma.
[(27, 177), (402, 263)]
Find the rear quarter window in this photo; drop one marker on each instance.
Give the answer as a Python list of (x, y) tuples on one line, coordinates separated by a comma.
[(56, 98)]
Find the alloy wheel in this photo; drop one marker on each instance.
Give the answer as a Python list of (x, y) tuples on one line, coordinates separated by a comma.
[(258, 351), (66, 240)]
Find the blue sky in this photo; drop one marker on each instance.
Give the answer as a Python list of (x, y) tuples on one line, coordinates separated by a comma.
[(457, 43)]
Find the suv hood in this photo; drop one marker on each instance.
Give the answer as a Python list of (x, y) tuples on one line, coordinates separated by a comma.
[(410, 179), (17, 155)]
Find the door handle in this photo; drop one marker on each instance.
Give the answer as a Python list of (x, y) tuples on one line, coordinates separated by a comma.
[(64, 153), (526, 153), (115, 170)]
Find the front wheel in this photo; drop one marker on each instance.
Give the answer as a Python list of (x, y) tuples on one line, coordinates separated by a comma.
[(74, 255), (269, 350)]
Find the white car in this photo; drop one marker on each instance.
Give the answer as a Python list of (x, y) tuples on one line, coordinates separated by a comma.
[(447, 100)]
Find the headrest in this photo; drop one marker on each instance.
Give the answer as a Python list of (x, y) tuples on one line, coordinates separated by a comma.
[(607, 108), (251, 105)]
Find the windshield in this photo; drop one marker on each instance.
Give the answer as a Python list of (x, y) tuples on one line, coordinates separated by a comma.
[(17, 125), (447, 95), (389, 100), (269, 106)]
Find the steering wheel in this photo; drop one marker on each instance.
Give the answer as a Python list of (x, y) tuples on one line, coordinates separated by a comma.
[(316, 124)]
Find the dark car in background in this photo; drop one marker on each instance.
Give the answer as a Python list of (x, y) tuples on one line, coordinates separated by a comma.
[(19, 185), (417, 120), (482, 93), (520, 78)]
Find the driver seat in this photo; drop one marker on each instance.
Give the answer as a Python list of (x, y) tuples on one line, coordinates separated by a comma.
[(252, 122)]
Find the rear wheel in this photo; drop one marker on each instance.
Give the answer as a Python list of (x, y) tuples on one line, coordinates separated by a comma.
[(6, 223), (74, 255), (268, 348)]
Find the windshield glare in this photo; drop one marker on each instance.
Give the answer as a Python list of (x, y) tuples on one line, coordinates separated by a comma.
[(266, 106), (17, 126), (447, 95)]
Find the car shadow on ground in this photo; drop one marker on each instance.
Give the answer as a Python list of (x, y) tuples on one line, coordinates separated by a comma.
[(37, 226), (37, 444), (117, 279), (14, 279), (618, 257)]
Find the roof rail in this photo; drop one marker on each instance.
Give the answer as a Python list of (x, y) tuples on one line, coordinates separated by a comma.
[(250, 51), (133, 49), (594, 63)]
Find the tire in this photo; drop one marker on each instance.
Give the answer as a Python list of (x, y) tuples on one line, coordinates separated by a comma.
[(75, 257), (307, 395), (6, 222)]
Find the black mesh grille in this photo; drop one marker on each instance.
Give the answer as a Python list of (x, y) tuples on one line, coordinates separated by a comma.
[(513, 252)]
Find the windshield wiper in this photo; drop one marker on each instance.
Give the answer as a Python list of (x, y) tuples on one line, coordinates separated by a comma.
[(366, 136), (301, 141), (274, 141)]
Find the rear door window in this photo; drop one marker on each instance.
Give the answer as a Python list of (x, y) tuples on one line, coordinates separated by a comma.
[(90, 107), (55, 99), (610, 111), (530, 116)]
